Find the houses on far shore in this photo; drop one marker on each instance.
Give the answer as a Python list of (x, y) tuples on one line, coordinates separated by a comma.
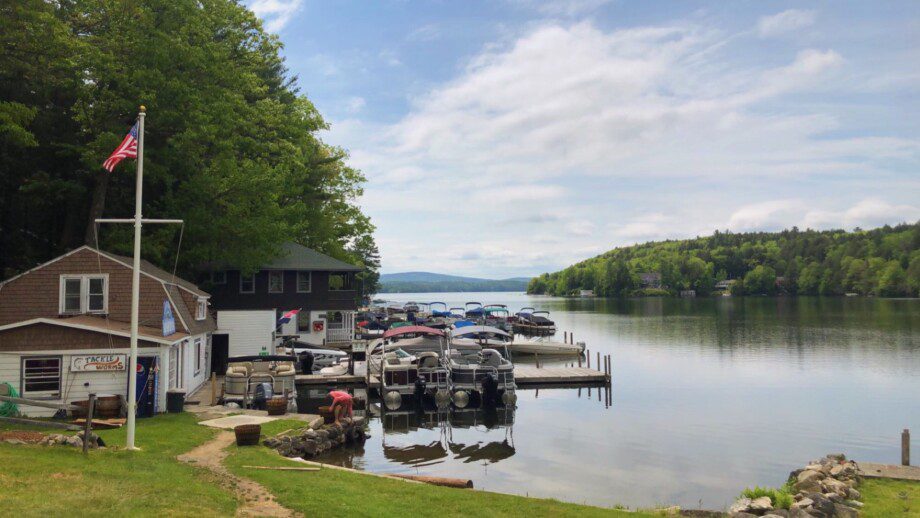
[(65, 324)]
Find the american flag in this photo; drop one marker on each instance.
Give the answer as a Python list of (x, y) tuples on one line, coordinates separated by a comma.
[(127, 149)]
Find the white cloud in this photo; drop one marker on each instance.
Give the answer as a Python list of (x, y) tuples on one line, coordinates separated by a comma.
[(648, 132), (563, 7), (275, 13), (428, 32), (868, 213), (355, 104), (784, 22)]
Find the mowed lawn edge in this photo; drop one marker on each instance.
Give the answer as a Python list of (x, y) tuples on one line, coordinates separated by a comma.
[(61, 481)]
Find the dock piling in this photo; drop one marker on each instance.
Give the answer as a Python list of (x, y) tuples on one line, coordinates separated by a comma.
[(599, 367), (88, 426), (905, 447)]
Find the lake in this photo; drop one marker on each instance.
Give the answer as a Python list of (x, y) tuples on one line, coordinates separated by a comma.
[(708, 396)]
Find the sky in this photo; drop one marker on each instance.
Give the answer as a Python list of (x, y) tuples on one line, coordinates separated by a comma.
[(513, 137)]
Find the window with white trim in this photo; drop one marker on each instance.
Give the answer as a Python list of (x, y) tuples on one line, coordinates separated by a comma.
[(219, 277), (276, 282), (84, 294), (198, 353), (202, 311), (247, 283), (304, 283), (41, 376)]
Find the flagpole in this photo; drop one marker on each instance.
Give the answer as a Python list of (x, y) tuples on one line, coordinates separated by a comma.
[(136, 282)]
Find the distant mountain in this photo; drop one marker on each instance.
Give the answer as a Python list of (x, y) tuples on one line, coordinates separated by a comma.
[(427, 282)]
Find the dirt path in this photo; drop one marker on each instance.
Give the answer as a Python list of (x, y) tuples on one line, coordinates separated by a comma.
[(256, 500)]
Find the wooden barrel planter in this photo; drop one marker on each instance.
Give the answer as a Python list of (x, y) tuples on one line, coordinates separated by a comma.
[(247, 434), (276, 406), (107, 407)]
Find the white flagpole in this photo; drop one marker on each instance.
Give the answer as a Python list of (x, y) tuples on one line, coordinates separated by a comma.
[(136, 282)]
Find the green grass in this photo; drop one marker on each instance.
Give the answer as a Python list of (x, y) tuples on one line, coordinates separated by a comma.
[(780, 498), (890, 498), (333, 492), (61, 481)]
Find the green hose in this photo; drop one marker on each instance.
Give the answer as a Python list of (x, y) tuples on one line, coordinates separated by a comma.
[(8, 409)]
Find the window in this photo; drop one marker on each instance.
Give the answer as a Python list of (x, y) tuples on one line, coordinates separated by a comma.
[(335, 319), (84, 294), (198, 352), (276, 282), (247, 283), (41, 376), (303, 282), (303, 322), (202, 312), (341, 282), (218, 277)]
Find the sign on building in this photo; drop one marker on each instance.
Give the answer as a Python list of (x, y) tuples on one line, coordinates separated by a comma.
[(169, 323), (98, 362)]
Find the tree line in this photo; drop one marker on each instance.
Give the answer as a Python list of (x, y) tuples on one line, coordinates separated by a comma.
[(880, 262), (231, 145)]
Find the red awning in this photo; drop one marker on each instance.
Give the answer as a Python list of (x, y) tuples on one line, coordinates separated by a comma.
[(412, 330)]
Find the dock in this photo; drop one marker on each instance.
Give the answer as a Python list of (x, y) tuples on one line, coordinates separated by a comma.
[(524, 376)]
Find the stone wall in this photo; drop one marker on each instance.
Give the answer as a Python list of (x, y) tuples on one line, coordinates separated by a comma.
[(307, 443)]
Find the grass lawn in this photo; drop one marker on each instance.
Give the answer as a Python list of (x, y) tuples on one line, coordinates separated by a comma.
[(60, 481), (895, 498), (333, 492)]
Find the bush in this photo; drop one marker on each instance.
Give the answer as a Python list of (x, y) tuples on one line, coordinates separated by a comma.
[(780, 498)]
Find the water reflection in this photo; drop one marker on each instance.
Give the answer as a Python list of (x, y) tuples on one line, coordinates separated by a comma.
[(712, 395)]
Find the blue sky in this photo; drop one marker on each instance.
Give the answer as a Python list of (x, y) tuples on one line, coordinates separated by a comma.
[(514, 137)]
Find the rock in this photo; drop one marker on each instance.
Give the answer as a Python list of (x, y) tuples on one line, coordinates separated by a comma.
[(14, 441), (810, 474), (808, 486), (822, 504), (799, 513), (740, 506), (844, 511), (777, 513), (833, 497), (836, 456), (759, 505), (832, 485), (742, 515), (803, 503)]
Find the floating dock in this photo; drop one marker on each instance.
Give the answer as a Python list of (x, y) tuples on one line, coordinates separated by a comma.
[(524, 375)]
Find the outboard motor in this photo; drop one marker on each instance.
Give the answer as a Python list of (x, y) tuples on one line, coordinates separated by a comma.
[(490, 388), (419, 388), (262, 394), (306, 362)]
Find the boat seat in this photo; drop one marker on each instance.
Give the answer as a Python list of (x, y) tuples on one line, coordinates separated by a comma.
[(239, 370), (491, 357), (285, 369), (261, 367), (391, 359), (428, 360)]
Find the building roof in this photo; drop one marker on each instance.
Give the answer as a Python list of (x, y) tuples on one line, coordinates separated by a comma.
[(298, 257), (102, 325), (158, 273)]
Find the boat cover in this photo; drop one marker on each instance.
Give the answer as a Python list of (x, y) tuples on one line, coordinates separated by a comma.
[(411, 330)]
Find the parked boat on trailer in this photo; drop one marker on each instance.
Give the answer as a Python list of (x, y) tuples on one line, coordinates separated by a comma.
[(409, 362)]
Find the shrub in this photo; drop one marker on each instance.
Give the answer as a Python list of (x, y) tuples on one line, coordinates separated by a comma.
[(780, 498)]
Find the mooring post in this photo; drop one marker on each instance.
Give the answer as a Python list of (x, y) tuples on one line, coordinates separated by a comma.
[(565, 336), (905, 447), (88, 425), (599, 361), (579, 361), (588, 355)]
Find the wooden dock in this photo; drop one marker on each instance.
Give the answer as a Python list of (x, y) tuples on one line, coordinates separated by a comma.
[(873, 470), (524, 376)]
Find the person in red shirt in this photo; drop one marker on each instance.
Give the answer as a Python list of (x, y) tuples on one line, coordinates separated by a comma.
[(342, 404)]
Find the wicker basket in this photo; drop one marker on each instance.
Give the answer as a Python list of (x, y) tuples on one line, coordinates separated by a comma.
[(276, 406), (248, 434)]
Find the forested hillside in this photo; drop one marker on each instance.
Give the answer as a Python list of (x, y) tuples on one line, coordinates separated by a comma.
[(425, 282), (231, 146), (881, 262)]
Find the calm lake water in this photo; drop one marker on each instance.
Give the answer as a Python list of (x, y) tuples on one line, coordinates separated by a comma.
[(708, 396)]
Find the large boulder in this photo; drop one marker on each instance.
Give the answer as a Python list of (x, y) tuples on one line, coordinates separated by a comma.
[(843, 511), (742, 505), (760, 505), (810, 474)]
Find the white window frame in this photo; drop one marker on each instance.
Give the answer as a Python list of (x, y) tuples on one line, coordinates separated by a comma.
[(202, 309), (84, 294), (41, 394), (198, 353), (253, 290), (304, 316), (222, 279), (309, 281), (272, 273)]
